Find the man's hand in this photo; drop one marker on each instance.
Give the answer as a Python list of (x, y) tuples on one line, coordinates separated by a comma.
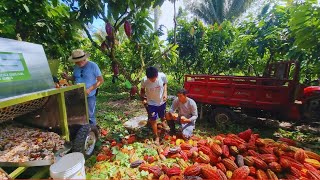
[(184, 120), (174, 116), (165, 97), (88, 91), (144, 101), (64, 75)]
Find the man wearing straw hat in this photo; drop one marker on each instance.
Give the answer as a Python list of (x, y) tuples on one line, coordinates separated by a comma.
[(87, 72)]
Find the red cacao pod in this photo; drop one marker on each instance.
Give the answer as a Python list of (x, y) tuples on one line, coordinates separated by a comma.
[(241, 173), (229, 164), (127, 28), (193, 170), (103, 46), (109, 29), (245, 135), (216, 149), (209, 172), (275, 167)]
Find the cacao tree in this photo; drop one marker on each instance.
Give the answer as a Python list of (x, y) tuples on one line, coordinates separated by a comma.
[(115, 14), (44, 22)]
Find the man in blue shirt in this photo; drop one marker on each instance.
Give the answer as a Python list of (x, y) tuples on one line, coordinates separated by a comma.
[(87, 72)]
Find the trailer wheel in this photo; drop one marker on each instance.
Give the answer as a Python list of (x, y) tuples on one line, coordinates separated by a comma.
[(312, 109), (86, 139), (223, 117)]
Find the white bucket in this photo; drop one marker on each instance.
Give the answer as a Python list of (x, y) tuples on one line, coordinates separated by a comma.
[(70, 166)]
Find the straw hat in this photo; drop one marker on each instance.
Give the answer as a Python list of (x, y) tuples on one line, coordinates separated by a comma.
[(78, 55)]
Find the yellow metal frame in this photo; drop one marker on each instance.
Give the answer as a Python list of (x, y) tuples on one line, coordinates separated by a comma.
[(62, 109)]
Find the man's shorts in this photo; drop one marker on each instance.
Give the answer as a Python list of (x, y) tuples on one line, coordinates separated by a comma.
[(155, 112)]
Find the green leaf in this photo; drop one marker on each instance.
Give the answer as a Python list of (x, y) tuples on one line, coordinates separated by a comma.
[(26, 8), (54, 3)]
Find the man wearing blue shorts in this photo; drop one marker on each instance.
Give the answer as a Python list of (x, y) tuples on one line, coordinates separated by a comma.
[(154, 97), (186, 117)]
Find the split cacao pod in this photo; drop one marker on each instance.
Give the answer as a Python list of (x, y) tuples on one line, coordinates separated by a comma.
[(234, 150), (183, 164), (174, 150), (229, 174), (203, 157)]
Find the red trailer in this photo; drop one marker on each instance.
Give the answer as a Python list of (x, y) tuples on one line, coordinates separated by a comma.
[(278, 94)]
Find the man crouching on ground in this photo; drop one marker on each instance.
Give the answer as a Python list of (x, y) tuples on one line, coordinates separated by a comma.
[(186, 117), (154, 96)]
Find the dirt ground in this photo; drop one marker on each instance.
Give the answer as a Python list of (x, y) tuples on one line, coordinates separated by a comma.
[(267, 127)]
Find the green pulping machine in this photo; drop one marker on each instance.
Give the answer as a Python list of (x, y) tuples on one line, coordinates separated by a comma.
[(28, 97)]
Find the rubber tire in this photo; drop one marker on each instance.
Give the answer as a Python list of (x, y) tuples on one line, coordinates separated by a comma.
[(78, 144), (310, 116), (228, 113)]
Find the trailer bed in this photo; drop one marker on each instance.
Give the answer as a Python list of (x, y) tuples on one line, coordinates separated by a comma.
[(241, 91)]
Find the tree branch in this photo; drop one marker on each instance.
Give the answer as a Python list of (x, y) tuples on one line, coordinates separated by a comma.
[(89, 36), (123, 19)]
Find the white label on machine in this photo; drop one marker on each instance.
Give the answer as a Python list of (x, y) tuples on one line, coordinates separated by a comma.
[(13, 67)]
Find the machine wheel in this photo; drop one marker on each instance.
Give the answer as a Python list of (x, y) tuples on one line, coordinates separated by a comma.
[(223, 117), (86, 139), (312, 109)]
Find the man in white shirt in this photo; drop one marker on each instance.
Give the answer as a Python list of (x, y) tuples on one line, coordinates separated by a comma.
[(154, 96), (186, 116)]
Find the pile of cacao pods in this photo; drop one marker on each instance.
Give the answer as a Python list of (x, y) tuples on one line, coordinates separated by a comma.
[(231, 156)]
